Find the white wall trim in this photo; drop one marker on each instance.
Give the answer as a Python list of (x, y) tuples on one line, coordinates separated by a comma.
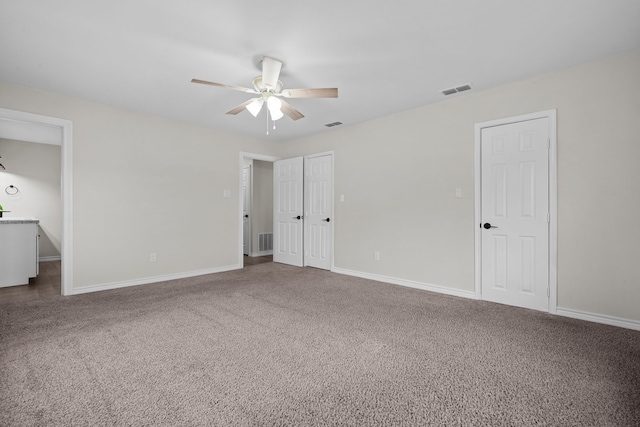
[(66, 148), (249, 208), (155, 279), (575, 314), (324, 153), (406, 283), (599, 318), (260, 253), (553, 199)]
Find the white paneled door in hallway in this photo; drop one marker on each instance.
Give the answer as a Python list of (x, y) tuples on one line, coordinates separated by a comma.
[(288, 211), (515, 213)]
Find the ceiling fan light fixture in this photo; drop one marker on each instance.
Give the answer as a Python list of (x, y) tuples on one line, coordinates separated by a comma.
[(255, 106), (274, 105)]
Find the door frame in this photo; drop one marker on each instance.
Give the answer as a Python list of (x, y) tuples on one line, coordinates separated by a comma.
[(248, 209), (551, 115), (66, 159), (252, 156)]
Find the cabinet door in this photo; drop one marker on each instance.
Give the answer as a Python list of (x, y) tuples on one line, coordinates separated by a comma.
[(19, 256)]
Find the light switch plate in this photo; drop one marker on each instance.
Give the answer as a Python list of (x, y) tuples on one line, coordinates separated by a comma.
[(226, 193), (458, 193)]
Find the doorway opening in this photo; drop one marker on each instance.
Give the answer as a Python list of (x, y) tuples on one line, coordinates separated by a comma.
[(28, 127), (256, 208)]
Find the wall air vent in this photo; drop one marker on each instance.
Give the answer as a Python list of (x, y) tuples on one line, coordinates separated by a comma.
[(456, 89), (330, 125), (265, 241)]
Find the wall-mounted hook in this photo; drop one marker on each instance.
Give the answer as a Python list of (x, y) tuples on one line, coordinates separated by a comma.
[(11, 190)]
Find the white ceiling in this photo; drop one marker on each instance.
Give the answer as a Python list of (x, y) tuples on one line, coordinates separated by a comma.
[(384, 56)]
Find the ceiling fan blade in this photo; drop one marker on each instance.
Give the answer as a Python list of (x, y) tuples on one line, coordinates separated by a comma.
[(270, 72), (289, 111), (311, 93), (242, 89), (239, 108)]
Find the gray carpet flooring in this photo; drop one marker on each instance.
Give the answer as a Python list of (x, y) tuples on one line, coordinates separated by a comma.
[(276, 345)]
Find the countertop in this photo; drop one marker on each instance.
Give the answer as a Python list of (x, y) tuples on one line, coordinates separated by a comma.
[(18, 220)]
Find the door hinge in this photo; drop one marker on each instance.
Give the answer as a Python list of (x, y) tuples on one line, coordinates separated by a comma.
[(548, 217), (548, 143), (548, 292)]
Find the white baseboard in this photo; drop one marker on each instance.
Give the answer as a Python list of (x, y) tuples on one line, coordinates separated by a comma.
[(261, 253), (576, 314), (146, 280), (407, 283), (49, 258), (599, 318)]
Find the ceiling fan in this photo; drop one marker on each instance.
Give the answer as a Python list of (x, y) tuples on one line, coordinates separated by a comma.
[(270, 91)]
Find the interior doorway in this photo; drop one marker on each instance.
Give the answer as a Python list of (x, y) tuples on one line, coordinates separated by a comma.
[(256, 208), (22, 126)]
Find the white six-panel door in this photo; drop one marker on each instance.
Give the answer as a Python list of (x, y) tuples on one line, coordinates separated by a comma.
[(515, 214), (318, 194), (288, 211)]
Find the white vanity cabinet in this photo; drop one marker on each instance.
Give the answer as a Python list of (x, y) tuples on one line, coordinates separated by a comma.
[(18, 250)]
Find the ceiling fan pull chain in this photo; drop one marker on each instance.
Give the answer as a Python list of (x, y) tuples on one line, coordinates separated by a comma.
[(267, 122)]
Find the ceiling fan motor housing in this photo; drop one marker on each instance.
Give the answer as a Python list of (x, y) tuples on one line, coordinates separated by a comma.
[(262, 88)]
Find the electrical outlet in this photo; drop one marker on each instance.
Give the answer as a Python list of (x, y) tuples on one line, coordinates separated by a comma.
[(376, 255), (152, 257)]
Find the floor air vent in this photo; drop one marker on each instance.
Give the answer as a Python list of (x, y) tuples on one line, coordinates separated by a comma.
[(265, 242)]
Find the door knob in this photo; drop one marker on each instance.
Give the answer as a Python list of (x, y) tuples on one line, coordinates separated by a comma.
[(246, 216), (488, 226), (297, 217), (327, 220)]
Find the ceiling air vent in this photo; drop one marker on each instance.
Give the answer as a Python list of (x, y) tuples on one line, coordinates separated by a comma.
[(456, 89), (330, 125)]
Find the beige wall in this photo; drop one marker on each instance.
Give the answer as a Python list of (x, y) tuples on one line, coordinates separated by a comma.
[(35, 170), (146, 184), (399, 173)]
